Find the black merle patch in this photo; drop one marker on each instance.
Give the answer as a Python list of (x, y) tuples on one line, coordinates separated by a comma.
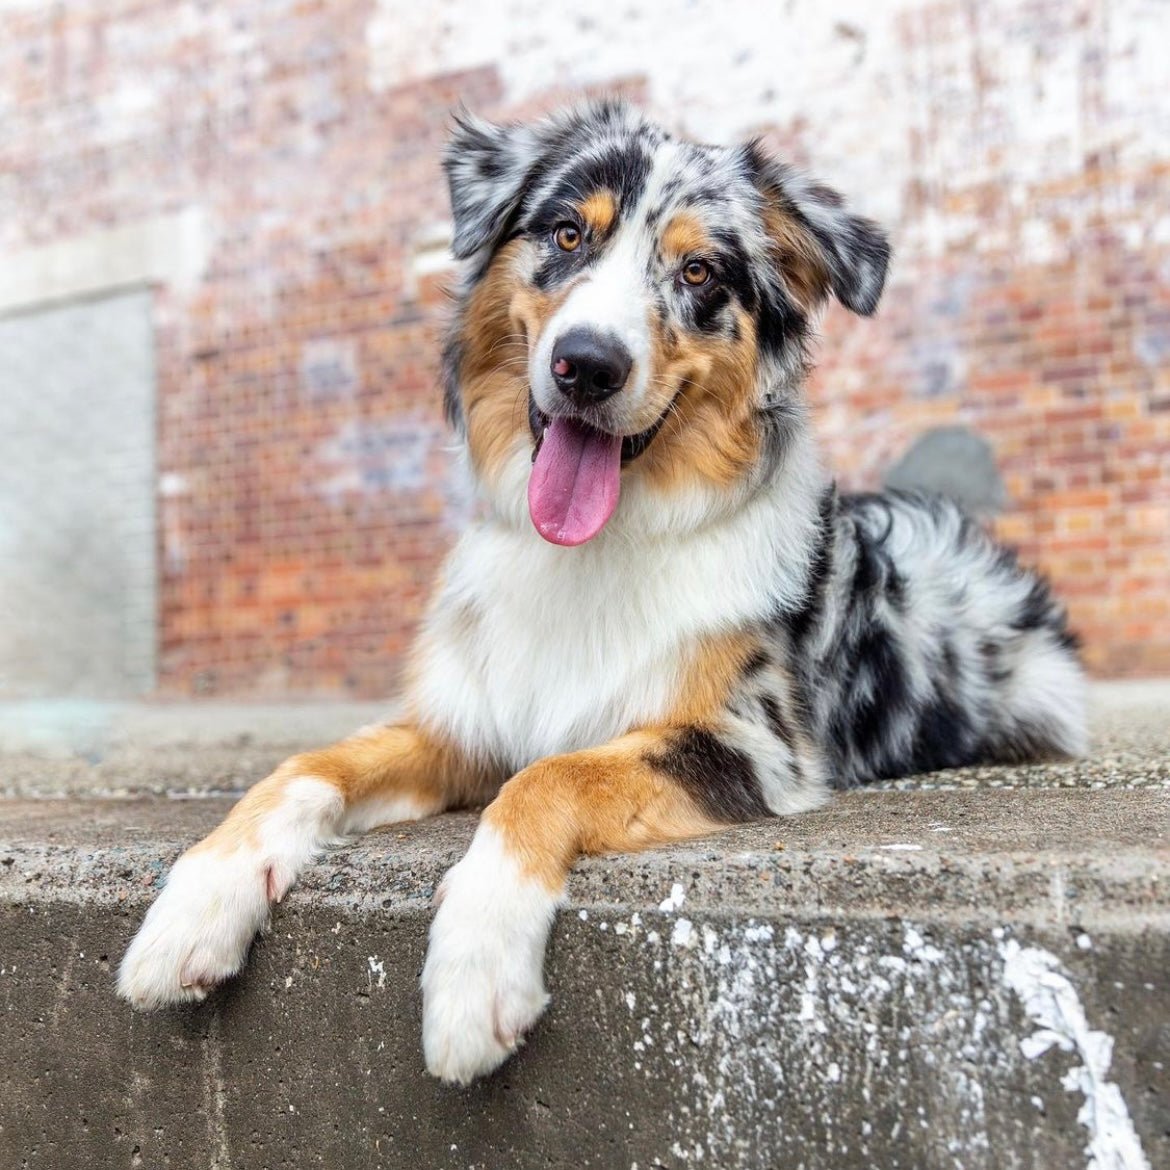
[(853, 250), (452, 394), (558, 266), (719, 778), (621, 169), (758, 661), (942, 738)]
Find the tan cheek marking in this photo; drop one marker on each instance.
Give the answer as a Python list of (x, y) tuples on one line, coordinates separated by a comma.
[(798, 258), (496, 422), (497, 328), (604, 800), (531, 310), (600, 211), (712, 435)]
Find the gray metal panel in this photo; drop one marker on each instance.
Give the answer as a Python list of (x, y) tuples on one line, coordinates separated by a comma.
[(78, 581)]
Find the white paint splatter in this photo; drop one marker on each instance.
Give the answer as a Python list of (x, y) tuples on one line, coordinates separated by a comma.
[(675, 900), (771, 1003), (1051, 1001), (902, 848), (918, 948), (378, 968)]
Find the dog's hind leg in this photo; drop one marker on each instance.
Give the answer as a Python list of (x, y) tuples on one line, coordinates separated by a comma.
[(218, 894), (483, 983)]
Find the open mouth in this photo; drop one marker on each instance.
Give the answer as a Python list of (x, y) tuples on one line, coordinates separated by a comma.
[(576, 474), (632, 445)]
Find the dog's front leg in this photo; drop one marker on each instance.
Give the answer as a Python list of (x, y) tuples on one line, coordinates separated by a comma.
[(483, 983), (218, 894)]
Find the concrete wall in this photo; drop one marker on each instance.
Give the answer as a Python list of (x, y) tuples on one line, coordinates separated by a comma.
[(77, 499), (1017, 151)]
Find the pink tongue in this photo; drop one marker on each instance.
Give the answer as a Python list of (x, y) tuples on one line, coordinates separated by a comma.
[(575, 482)]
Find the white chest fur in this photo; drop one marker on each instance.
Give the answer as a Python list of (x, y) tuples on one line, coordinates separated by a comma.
[(532, 650)]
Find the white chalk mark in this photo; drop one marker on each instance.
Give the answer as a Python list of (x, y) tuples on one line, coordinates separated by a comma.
[(1051, 1001)]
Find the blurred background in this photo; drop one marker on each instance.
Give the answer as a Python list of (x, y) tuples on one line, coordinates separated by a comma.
[(223, 244)]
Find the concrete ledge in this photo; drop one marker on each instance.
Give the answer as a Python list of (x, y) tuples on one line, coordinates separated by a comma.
[(868, 985), (68, 746), (961, 970), (74, 747)]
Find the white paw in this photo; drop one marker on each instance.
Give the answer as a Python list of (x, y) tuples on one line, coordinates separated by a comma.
[(198, 932), (483, 981), (216, 897)]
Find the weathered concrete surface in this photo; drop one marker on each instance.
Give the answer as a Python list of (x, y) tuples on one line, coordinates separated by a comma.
[(934, 974), (840, 989), (57, 748)]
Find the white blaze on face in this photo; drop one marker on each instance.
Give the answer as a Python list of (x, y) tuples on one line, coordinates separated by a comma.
[(575, 482), (613, 298)]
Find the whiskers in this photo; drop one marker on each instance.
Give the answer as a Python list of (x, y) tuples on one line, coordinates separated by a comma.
[(509, 339)]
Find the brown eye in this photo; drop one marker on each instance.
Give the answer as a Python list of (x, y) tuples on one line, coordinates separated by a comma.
[(696, 272), (568, 237)]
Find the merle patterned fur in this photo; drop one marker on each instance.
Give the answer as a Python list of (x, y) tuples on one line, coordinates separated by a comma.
[(902, 638)]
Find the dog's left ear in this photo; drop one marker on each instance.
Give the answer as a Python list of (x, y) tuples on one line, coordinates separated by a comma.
[(487, 167), (823, 247)]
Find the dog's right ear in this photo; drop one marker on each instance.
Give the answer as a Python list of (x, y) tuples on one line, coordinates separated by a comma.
[(487, 167)]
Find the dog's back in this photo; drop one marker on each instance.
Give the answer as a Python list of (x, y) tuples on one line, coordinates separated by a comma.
[(922, 644)]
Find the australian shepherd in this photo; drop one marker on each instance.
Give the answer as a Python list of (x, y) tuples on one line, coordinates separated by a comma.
[(667, 619)]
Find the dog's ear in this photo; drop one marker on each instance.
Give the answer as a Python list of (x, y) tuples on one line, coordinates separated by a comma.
[(487, 167), (823, 247)]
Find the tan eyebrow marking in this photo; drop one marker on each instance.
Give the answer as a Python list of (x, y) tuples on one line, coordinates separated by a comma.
[(684, 235), (600, 211)]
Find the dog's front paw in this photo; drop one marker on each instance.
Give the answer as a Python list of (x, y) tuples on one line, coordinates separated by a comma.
[(483, 981), (198, 932)]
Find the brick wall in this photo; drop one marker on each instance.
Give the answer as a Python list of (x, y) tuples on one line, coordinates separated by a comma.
[(1018, 151)]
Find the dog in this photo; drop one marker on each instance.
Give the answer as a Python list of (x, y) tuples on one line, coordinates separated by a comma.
[(667, 619)]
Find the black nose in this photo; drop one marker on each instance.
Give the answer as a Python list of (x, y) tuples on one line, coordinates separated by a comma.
[(589, 366)]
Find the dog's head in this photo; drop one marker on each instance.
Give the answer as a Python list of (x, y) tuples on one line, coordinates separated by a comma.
[(635, 313)]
